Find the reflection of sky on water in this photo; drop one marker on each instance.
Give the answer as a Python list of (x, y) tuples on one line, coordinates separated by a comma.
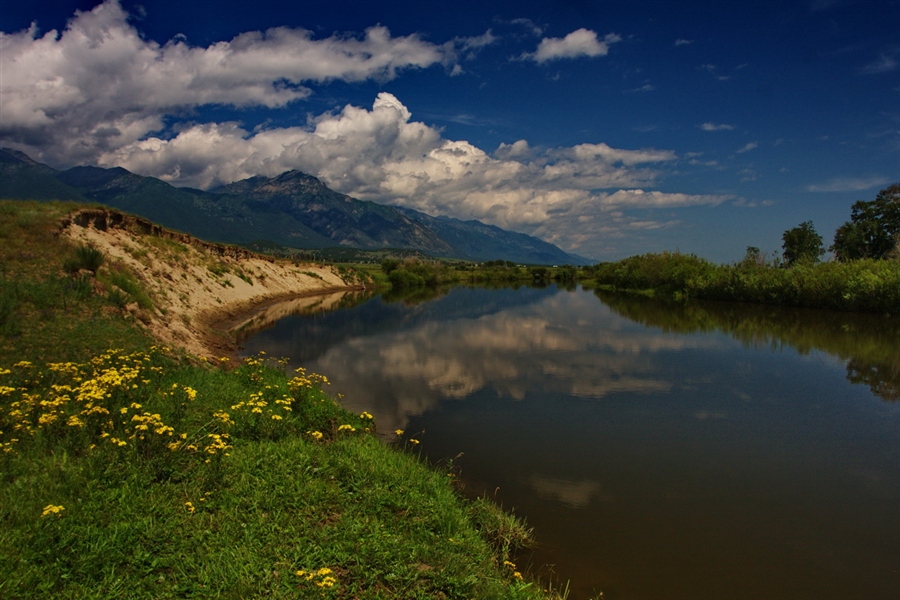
[(574, 494), (558, 345), (651, 464)]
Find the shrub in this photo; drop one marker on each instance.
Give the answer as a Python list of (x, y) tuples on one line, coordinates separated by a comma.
[(402, 279), (86, 258)]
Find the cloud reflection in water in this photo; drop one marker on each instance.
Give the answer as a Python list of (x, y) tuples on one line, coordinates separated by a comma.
[(556, 345)]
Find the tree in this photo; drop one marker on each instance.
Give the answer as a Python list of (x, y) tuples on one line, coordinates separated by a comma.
[(802, 244), (873, 229), (389, 264), (753, 258)]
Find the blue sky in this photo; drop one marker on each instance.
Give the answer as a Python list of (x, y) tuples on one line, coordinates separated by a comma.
[(608, 128)]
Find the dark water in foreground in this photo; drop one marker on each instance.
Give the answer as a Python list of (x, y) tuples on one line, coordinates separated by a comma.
[(659, 452)]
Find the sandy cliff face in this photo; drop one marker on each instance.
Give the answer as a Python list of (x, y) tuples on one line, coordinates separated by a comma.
[(194, 285)]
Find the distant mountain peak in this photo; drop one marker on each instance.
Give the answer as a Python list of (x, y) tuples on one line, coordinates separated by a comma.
[(13, 156), (293, 209), (287, 184), (83, 177)]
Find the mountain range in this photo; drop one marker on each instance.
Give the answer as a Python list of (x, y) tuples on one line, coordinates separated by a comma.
[(293, 210)]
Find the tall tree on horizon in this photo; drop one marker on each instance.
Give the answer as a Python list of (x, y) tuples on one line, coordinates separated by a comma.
[(873, 229), (802, 244)]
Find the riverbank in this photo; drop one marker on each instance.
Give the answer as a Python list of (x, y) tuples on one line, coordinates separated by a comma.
[(864, 285), (196, 288), (142, 472)]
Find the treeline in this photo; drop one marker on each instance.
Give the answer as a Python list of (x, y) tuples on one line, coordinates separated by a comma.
[(865, 275), (865, 285), (413, 273)]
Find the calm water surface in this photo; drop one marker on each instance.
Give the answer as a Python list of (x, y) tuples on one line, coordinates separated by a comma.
[(659, 452)]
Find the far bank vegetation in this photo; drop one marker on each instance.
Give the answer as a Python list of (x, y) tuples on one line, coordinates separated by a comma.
[(864, 275)]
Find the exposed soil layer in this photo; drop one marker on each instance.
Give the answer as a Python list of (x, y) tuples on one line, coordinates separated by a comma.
[(197, 289)]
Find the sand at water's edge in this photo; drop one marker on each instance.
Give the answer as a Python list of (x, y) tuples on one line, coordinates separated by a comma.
[(197, 288)]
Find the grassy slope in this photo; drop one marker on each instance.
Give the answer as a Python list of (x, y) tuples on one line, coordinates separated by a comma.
[(133, 474)]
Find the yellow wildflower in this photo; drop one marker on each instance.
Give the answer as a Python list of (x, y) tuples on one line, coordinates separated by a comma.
[(190, 507), (51, 509), (346, 427), (366, 415), (398, 432), (224, 417), (315, 434)]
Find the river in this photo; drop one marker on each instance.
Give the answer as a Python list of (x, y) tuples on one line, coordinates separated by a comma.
[(660, 451)]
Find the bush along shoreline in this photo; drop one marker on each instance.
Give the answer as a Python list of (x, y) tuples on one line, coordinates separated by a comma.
[(865, 285)]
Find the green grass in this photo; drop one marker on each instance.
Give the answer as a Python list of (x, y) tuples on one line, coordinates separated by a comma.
[(47, 314), (120, 280), (201, 482), (138, 473), (85, 258)]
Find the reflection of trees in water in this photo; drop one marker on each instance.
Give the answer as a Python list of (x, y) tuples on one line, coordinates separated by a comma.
[(884, 384), (414, 296), (867, 342)]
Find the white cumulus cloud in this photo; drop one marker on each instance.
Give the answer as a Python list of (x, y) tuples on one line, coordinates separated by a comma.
[(99, 84), (382, 154), (581, 42), (849, 184), (708, 126)]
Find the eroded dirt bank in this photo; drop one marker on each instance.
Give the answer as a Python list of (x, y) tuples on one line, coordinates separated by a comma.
[(196, 288)]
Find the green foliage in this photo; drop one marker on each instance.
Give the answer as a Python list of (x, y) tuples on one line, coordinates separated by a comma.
[(413, 273), (666, 272), (401, 279), (539, 274), (873, 229), (802, 244), (865, 285), (389, 264), (218, 268), (117, 298), (506, 533), (9, 301), (123, 280), (565, 274), (90, 258)]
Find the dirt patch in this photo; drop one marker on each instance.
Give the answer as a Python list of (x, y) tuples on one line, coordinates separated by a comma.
[(198, 289)]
